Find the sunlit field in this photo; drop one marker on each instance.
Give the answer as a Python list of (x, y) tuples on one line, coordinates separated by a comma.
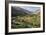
[(26, 21)]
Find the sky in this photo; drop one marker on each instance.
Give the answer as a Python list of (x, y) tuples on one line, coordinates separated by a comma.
[(33, 9)]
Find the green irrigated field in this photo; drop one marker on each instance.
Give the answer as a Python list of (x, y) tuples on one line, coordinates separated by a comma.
[(26, 21)]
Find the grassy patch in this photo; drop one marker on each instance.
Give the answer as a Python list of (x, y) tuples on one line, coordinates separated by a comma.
[(26, 21)]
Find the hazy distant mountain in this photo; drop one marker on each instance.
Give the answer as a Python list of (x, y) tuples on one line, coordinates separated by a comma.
[(21, 11), (36, 12)]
